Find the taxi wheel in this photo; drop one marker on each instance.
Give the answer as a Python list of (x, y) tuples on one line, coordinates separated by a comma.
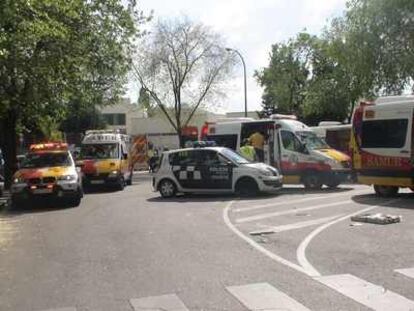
[(121, 184), (74, 202), (167, 188), (247, 187)]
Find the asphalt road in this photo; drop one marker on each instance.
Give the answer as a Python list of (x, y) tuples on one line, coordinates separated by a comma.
[(132, 250)]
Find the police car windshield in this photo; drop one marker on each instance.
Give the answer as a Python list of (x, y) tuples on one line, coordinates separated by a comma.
[(99, 151), (234, 157), (312, 141), (52, 159)]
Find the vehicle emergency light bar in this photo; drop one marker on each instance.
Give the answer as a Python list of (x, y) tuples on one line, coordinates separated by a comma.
[(48, 147), (278, 116)]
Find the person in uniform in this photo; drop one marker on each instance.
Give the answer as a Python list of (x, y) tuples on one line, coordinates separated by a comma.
[(257, 141), (248, 151)]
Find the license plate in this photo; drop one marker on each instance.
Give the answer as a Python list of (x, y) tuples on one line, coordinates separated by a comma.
[(42, 191), (97, 182)]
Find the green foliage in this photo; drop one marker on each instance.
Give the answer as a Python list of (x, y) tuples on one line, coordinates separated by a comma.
[(366, 53), (53, 53)]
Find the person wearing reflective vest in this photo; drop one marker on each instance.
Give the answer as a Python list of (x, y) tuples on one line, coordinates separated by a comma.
[(247, 151)]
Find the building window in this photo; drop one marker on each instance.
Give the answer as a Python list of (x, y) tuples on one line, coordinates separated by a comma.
[(115, 118)]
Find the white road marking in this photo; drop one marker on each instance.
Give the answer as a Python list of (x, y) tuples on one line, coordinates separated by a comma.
[(407, 272), (252, 208), (263, 296), (296, 225), (169, 302), (255, 245), (368, 294), (287, 202), (291, 211), (301, 251), (62, 309)]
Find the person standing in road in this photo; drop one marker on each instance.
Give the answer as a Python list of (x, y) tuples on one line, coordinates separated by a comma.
[(257, 141), (248, 151)]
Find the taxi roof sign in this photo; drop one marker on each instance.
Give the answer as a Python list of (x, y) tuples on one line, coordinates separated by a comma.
[(50, 146)]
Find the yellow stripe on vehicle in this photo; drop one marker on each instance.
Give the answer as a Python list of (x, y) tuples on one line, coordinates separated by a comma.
[(386, 181)]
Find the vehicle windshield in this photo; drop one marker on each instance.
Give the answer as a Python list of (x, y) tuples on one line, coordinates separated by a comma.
[(99, 151), (235, 157), (52, 159), (312, 141)]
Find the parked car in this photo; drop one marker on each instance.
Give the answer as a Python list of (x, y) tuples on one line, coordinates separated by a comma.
[(212, 170)]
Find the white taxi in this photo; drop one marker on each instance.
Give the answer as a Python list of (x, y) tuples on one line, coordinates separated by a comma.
[(212, 170)]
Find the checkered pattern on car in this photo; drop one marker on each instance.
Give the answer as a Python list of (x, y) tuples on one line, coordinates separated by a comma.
[(187, 172)]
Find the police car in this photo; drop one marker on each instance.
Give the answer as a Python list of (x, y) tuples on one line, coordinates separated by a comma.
[(212, 169), (48, 171)]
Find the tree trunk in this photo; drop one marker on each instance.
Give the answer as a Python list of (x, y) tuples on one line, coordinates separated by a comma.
[(351, 112), (8, 142), (180, 138)]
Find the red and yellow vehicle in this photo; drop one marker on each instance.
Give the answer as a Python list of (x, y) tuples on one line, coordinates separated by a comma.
[(382, 144), (104, 159), (48, 171)]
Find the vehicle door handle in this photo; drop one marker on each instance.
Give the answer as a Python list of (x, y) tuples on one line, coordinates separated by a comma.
[(404, 151)]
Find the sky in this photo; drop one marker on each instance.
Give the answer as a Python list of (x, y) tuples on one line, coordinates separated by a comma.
[(250, 26)]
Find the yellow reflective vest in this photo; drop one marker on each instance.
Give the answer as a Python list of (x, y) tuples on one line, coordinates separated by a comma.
[(248, 152)]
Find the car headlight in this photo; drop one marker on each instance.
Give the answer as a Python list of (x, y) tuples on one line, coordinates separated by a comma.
[(114, 173), (266, 173), (67, 177), (19, 180)]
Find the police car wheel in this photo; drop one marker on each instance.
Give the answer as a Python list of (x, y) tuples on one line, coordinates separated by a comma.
[(167, 188), (386, 191), (247, 187)]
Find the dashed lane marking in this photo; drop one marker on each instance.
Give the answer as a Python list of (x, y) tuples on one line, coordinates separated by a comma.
[(290, 211), (169, 302), (368, 294), (296, 225), (263, 296), (407, 272)]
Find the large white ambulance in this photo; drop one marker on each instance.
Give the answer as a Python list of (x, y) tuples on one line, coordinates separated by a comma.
[(382, 144), (290, 146)]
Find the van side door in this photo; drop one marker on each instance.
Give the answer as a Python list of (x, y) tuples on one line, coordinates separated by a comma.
[(292, 153)]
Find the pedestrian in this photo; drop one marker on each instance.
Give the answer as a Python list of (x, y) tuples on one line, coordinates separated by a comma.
[(257, 141), (248, 151)]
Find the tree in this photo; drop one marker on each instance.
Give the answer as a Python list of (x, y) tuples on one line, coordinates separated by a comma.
[(284, 80), (53, 52), (144, 101), (182, 62)]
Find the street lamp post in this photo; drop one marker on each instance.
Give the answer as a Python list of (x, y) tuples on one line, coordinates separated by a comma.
[(245, 78)]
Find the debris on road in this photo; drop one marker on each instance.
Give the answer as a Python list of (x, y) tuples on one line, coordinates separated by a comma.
[(355, 224), (262, 232), (379, 218)]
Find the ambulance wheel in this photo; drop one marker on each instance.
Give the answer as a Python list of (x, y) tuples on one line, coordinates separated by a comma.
[(333, 183), (386, 191), (246, 187), (167, 188), (312, 181)]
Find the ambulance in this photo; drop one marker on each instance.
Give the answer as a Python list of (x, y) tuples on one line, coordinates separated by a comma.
[(48, 171), (290, 146), (104, 159), (382, 144)]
